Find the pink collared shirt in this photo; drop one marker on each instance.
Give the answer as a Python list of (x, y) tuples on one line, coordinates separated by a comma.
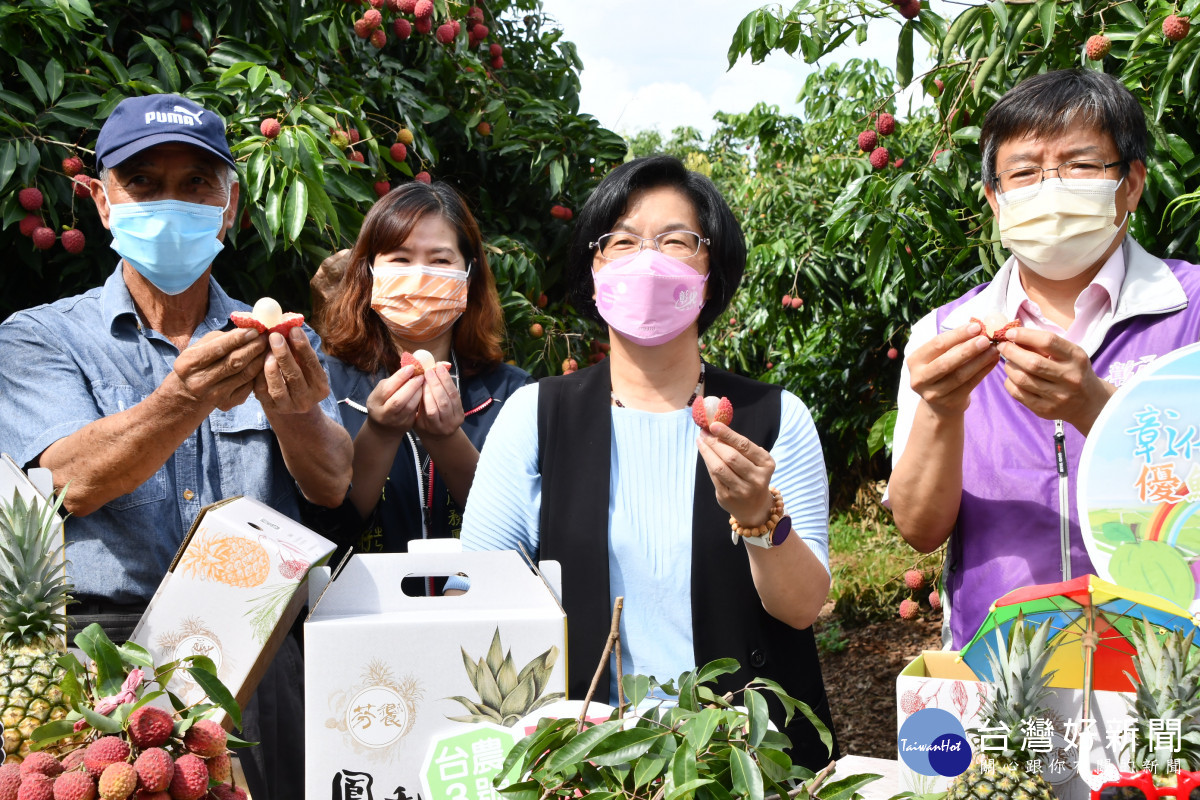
[(1094, 306)]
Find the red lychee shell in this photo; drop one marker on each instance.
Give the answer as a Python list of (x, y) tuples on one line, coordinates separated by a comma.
[(1175, 27), (445, 33), (914, 579), (382, 188), (886, 124), (226, 791), (561, 212), (154, 769), (935, 600), (73, 759), (398, 151), (867, 140), (36, 787), (479, 32), (707, 410), (30, 198), (361, 29), (141, 795), (44, 238), (909, 609), (406, 6), (419, 363), (997, 334), (402, 28), (497, 62), (118, 781), (30, 223), (1098, 46), (423, 9), (205, 738), (72, 166), (104, 751), (354, 154), (73, 241), (74, 786), (373, 19), (190, 781), (423, 24), (422, 176), (475, 14), (10, 780), (150, 726), (82, 185), (41, 763), (220, 768), (909, 9), (378, 40), (880, 157), (244, 319), (495, 50), (269, 128)]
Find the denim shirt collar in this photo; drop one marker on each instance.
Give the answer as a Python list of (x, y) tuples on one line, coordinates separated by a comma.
[(117, 307)]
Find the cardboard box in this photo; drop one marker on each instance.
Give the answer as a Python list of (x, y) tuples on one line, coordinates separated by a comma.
[(386, 673), (232, 594), (937, 679)]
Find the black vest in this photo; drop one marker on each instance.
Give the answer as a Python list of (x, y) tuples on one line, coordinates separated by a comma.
[(728, 620)]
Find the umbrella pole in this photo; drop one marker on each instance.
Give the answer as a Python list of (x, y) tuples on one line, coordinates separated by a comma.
[(1089, 640)]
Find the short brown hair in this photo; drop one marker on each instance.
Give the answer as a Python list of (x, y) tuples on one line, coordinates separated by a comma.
[(354, 333)]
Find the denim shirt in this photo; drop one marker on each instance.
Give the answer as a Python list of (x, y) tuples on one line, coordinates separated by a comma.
[(69, 363)]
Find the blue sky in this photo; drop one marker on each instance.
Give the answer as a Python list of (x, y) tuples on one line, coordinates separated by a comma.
[(662, 63)]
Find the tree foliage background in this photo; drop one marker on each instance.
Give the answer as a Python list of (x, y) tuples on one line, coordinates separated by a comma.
[(65, 64)]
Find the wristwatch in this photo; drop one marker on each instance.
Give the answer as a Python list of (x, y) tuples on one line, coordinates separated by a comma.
[(772, 538)]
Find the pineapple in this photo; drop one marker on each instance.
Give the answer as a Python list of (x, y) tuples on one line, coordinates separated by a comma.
[(1168, 689), (232, 560), (505, 696), (1019, 693), (33, 597)]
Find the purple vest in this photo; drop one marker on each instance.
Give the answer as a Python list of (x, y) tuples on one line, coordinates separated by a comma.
[(1008, 531)]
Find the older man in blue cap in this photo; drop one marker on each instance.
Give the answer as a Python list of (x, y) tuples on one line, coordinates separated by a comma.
[(144, 401)]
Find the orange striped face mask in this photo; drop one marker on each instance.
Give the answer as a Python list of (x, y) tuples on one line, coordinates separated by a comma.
[(419, 303)]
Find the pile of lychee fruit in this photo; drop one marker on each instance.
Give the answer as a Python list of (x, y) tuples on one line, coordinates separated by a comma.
[(154, 758), (916, 582), (868, 141), (370, 26)]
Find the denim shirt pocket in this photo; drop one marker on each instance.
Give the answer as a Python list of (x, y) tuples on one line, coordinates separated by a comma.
[(251, 462), (113, 398)]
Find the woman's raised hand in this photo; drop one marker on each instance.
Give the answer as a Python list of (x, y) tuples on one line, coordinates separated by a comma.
[(441, 412), (394, 402), (741, 473)]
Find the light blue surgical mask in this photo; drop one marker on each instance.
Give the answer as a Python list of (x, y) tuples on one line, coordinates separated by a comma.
[(170, 242)]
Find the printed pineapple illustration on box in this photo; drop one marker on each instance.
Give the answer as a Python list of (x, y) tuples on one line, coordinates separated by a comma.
[(378, 712), (506, 695), (232, 560), (33, 594)]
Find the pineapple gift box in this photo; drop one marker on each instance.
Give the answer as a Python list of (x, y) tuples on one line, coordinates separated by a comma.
[(232, 593), (387, 675)]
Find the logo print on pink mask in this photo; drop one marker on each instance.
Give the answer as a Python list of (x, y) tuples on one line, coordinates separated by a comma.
[(649, 297)]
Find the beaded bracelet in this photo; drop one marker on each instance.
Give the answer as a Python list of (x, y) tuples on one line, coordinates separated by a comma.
[(767, 527)]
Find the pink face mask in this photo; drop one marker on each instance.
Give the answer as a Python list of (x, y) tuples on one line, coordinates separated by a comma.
[(649, 297)]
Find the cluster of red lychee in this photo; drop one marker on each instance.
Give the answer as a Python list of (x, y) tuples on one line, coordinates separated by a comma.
[(868, 141), (793, 302), (915, 581), (370, 26), (153, 759), (34, 226)]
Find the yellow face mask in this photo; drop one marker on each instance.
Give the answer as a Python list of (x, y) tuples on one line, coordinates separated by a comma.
[(1059, 228), (419, 303)]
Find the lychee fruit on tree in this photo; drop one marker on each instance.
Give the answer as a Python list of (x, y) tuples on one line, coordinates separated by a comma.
[(1098, 46), (1175, 27)]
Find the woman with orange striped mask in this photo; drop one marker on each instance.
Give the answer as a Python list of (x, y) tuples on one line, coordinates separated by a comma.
[(417, 279)]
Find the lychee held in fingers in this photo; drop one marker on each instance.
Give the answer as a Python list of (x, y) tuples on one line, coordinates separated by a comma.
[(267, 317), (995, 325), (421, 361), (707, 410)]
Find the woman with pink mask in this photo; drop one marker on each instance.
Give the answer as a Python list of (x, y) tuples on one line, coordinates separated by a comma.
[(416, 279), (605, 470)]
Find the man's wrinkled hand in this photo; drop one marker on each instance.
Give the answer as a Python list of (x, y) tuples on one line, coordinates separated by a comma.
[(219, 370), (292, 380)]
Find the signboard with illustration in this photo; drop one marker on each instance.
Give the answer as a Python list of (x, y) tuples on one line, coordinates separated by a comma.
[(1139, 482)]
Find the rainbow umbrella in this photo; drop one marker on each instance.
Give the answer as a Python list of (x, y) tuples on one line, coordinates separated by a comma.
[(1093, 620)]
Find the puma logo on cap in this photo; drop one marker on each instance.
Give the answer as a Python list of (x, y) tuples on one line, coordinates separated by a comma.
[(178, 116)]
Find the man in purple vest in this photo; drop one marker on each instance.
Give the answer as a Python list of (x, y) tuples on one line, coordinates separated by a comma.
[(989, 435)]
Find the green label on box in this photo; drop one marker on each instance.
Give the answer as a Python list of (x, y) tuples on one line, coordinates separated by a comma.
[(463, 764)]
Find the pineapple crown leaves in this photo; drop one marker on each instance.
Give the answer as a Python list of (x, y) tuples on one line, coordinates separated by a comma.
[(1020, 684), (506, 695), (709, 749), (33, 585), (1168, 688)]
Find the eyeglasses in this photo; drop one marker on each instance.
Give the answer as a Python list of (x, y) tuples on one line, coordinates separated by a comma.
[(1068, 170), (1140, 786), (676, 244)]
